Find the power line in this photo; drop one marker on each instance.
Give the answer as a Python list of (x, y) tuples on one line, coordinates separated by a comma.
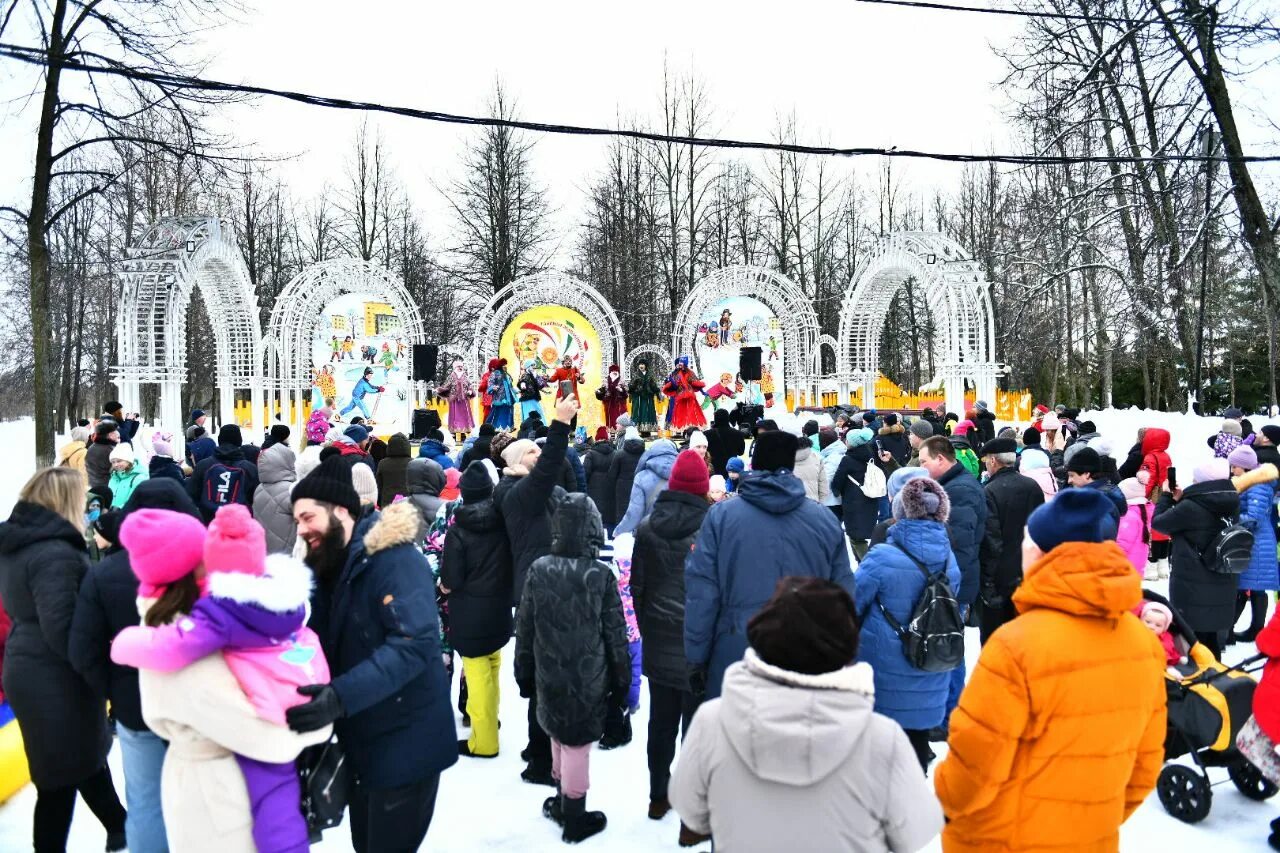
[(33, 56), (1061, 16)]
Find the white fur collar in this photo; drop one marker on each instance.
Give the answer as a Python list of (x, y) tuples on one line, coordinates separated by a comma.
[(854, 679), (285, 585)]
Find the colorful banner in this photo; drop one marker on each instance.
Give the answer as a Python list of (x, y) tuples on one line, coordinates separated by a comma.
[(358, 331), (723, 330), (544, 336)]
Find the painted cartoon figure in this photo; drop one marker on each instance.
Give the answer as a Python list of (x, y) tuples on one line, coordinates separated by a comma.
[(363, 387), (387, 358), (726, 323), (773, 348), (335, 349), (348, 348)]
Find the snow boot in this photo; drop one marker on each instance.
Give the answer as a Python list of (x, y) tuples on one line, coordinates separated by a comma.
[(553, 807), (1152, 573), (464, 748), (538, 773), (1162, 566), (689, 838), (580, 824), (658, 808)]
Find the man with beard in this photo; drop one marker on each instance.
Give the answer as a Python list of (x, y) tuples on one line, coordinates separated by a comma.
[(375, 613)]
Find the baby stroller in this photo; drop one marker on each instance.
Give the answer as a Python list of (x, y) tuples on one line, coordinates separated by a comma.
[(1208, 705)]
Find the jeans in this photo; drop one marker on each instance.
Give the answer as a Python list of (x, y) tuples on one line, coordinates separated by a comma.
[(55, 806), (400, 816), (356, 401), (482, 702), (142, 753), (670, 711), (571, 767)]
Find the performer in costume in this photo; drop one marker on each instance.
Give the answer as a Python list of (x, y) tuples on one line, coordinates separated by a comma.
[(644, 390), (485, 400), (613, 393), (502, 397), (566, 379), (682, 387), (531, 386), (457, 389)]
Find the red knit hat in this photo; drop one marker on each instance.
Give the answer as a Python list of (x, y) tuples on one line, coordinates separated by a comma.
[(602, 433), (690, 474), (235, 542)]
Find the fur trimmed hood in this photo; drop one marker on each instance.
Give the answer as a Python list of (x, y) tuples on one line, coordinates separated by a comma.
[(283, 587), (857, 678), (398, 524), (1264, 473), (893, 429)]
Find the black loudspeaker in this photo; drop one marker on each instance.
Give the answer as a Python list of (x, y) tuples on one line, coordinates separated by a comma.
[(424, 362), (749, 364), (421, 423)]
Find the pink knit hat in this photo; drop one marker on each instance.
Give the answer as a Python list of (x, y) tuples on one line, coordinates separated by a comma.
[(236, 543), (163, 546), (963, 427)]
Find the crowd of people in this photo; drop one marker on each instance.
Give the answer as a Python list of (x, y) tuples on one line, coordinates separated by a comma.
[(790, 603)]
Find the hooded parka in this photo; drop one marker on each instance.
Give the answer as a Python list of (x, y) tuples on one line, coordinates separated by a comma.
[(1257, 490), (596, 463), (425, 480), (272, 504), (652, 472), (392, 474), (476, 569), (1205, 598)]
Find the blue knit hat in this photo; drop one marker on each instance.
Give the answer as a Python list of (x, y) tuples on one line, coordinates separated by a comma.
[(859, 437), (356, 433), (1074, 515), (901, 477)]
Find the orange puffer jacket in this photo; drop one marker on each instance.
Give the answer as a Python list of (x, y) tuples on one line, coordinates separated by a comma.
[(1059, 734)]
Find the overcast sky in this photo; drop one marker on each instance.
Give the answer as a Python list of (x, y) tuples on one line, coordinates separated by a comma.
[(855, 75)]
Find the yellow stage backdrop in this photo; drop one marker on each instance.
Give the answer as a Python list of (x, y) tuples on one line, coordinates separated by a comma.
[(545, 335)]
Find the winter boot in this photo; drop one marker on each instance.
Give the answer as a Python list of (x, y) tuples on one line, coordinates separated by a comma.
[(115, 841), (689, 838), (617, 730), (538, 773), (464, 748), (658, 808), (1162, 566), (553, 807), (580, 824), (1152, 573)]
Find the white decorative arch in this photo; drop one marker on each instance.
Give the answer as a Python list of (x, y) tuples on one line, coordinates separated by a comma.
[(548, 288), (660, 361), (957, 294), (779, 294), (160, 271), (832, 345), (297, 313)]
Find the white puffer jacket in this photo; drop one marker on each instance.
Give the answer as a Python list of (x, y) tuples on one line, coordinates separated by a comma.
[(809, 470)]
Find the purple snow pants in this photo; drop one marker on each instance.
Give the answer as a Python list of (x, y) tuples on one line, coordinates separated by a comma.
[(275, 798)]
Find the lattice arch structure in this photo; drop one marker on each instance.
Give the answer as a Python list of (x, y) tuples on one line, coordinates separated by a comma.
[(779, 294), (160, 271), (533, 291), (958, 295), (660, 360), (298, 311)]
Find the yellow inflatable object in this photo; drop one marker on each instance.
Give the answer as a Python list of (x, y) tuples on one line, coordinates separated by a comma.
[(14, 774)]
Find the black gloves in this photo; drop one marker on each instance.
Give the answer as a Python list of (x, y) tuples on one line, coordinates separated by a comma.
[(991, 597), (323, 709), (527, 689), (698, 682)]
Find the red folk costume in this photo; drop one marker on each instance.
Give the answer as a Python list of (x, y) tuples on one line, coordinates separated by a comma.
[(613, 393), (486, 400), (569, 374), (682, 387)]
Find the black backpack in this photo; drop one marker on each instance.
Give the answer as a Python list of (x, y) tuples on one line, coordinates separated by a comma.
[(1230, 550), (223, 484), (933, 638)]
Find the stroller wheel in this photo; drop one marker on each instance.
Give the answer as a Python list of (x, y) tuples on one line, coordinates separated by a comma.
[(1250, 781), (1184, 793)]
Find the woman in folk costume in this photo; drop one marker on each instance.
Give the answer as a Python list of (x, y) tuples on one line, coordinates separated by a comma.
[(613, 393), (459, 391), (682, 387), (502, 397), (643, 390), (566, 378), (485, 400), (530, 388)]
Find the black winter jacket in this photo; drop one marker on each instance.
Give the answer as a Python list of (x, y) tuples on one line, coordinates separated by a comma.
[(1011, 498), (663, 541), (97, 463), (859, 511), (476, 569), (571, 638), (1206, 598), (1132, 463), (525, 504), (622, 475), (161, 467), (232, 456), (894, 439), (724, 442), (596, 463), (967, 526), (984, 424), (392, 473), (64, 725), (480, 449)]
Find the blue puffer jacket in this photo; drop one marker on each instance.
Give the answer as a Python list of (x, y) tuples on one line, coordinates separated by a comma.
[(380, 630), (968, 524), (771, 530), (652, 472), (914, 698), (436, 452), (1257, 490)]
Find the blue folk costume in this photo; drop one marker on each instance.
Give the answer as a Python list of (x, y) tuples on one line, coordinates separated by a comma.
[(531, 386), (503, 395)]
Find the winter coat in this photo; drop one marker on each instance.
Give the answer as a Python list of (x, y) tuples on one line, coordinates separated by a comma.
[(474, 450), (771, 530), (424, 480), (1257, 490), (64, 725), (436, 452), (652, 472), (809, 470), (571, 641), (789, 761), (201, 449), (859, 511), (1266, 698), (1132, 462), (831, 457), (525, 504), (476, 569), (272, 502), (888, 576), (663, 542), (232, 456), (894, 440), (392, 474), (622, 476), (984, 426), (97, 463), (579, 473), (1011, 498), (122, 484), (968, 525), (317, 427), (1110, 491), (1204, 597), (1156, 463), (1134, 535), (599, 458), (380, 630), (1042, 473), (209, 724), (164, 466), (1082, 441), (1059, 734), (966, 456), (723, 442), (72, 455)]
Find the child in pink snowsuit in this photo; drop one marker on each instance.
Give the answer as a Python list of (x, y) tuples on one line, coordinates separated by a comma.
[(1134, 533), (254, 611)]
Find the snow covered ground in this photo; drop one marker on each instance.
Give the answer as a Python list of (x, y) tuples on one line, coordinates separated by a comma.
[(483, 805)]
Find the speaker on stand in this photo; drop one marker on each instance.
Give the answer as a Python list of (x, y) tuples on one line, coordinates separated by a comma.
[(749, 364), (425, 357)]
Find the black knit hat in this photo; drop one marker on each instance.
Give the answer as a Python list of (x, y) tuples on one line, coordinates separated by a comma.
[(475, 485), (809, 428), (809, 626), (1031, 437), (487, 429), (280, 433), (331, 483), (105, 428), (1085, 461), (773, 451), (230, 434)]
